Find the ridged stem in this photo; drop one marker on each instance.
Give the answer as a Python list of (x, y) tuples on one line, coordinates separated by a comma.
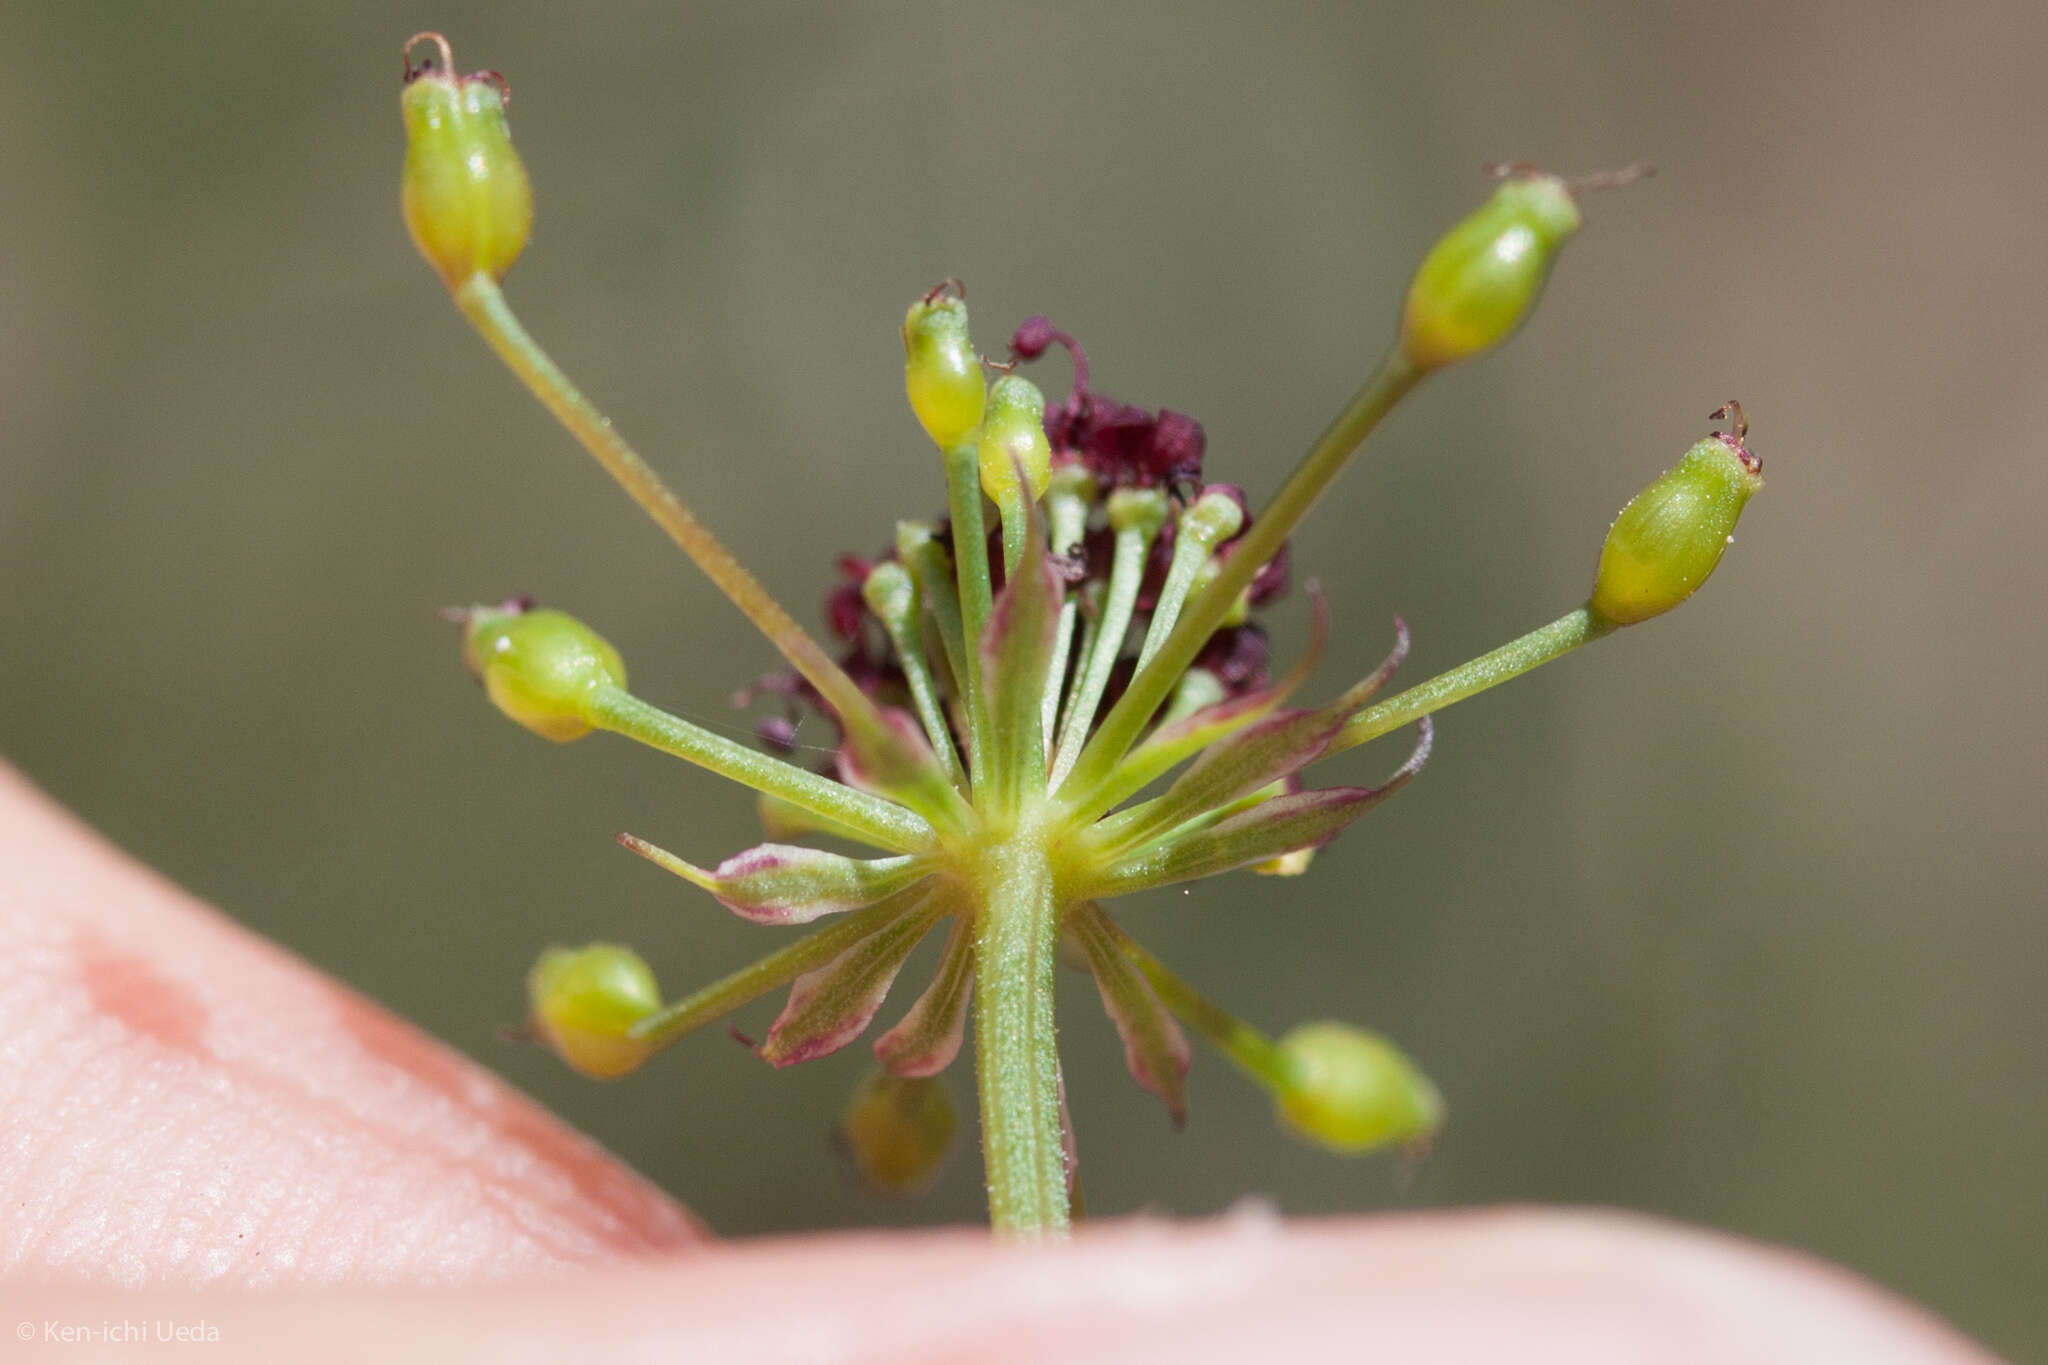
[(723, 996), (1126, 576), (1190, 553), (924, 695), (977, 596), (1016, 1058), (1067, 521), (1491, 669), (879, 822), (484, 305)]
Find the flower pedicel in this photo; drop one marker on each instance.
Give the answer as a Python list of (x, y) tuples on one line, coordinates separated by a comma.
[(1058, 695)]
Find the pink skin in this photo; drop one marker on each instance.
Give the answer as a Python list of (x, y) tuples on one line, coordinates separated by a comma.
[(188, 1116)]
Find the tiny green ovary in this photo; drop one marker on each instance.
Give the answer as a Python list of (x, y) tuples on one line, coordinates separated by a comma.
[(467, 200), (1671, 536)]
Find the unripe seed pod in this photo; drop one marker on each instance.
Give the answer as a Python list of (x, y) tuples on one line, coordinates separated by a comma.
[(467, 201), (1216, 516), (941, 372), (898, 1131), (891, 594), (1353, 1091), (583, 1001), (1013, 435), (540, 667), (1672, 534), (1483, 277)]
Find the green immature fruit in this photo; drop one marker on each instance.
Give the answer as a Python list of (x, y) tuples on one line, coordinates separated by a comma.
[(1672, 534), (941, 372), (467, 200), (1013, 438), (583, 1003), (1482, 279), (898, 1131), (540, 667), (1352, 1091)]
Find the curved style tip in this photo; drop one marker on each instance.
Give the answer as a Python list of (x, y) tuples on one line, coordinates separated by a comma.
[(443, 53)]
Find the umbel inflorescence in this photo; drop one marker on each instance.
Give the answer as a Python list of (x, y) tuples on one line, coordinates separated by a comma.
[(1056, 696)]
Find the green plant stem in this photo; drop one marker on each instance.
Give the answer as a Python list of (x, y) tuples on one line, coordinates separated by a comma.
[(1016, 1059), (1126, 576), (1056, 673), (917, 675), (1511, 660), (1015, 661), (1067, 517), (1248, 1049), (722, 997), (933, 570), (879, 822), (484, 305), (1087, 600), (1128, 718), (1190, 553), (977, 596)]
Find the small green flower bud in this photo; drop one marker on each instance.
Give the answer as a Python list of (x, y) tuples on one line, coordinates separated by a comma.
[(1143, 510), (583, 1001), (1672, 534), (1013, 436), (1072, 479), (467, 201), (898, 1131), (1353, 1091), (911, 537), (941, 371), (1483, 277), (891, 594), (1216, 516), (539, 667)]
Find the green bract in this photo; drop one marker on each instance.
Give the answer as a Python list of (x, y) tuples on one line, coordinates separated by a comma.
[(466, 197), (583, 1002), (1671, 535), (541, 668)]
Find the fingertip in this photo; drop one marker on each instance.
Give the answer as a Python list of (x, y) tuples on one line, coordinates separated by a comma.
[(1477, 1288), (183, 1103)]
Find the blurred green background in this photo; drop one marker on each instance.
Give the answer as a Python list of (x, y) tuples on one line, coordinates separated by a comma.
[(1737, 917)]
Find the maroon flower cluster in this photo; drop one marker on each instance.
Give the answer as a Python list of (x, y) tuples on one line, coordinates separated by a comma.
[(1120, 445)]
